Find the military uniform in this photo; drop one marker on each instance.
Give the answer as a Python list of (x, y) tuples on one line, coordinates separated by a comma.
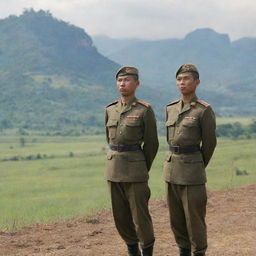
[(191, 138), (132, 137), (189, 125)]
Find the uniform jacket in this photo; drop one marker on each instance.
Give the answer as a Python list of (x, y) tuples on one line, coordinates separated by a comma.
[(193, 124), (134, 124)]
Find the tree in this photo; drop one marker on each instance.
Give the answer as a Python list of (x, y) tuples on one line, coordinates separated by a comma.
[(22, 142), (252, 127)]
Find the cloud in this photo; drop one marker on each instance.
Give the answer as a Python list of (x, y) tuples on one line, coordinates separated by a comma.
[(148, 18)]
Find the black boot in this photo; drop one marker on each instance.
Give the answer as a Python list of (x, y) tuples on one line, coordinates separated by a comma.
[(147, 251), (133, 250), (199, 254), (185, 252)]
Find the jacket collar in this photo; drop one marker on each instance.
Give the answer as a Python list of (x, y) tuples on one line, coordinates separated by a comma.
[(188, 106), (122, 109)]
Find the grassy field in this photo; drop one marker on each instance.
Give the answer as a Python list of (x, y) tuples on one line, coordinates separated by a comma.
[(242, 120), (65, 179)]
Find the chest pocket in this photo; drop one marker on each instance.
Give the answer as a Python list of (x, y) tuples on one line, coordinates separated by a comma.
[(170, 125), (189, 123), (133, 130), (132, 122), (190, 129), (112, 126)]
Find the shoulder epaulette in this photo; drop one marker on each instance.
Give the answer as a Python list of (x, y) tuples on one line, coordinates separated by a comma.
[(143, 103), (174, 102), (113, 103), (203, 103)]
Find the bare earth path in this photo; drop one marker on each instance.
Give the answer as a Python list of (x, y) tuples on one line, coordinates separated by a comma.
[(231, 219)]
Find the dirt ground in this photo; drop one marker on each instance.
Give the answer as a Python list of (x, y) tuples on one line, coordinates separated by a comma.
[(231, 219)]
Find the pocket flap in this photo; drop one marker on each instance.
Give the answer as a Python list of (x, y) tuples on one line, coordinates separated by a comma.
[(170, 122), (109, 155), (111, 122), (191, 159), (134, 122), (168, 156), (189, 123)]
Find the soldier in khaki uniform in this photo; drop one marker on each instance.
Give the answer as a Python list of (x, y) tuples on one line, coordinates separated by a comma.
[(132, 137), (191, 137)]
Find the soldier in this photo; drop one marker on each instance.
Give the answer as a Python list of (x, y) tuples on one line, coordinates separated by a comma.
[(132, 137), (191, 137)]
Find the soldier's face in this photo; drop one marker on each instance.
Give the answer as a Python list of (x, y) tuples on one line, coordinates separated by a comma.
[(186, 83), (127, 85)]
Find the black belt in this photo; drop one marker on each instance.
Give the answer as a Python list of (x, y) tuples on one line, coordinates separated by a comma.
[(184, 150), (122, 148)]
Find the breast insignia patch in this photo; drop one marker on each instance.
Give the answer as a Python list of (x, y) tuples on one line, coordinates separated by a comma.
[(133, 117), (190, 118)]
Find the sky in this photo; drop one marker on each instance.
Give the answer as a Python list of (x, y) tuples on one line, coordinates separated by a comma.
[(147, 19)]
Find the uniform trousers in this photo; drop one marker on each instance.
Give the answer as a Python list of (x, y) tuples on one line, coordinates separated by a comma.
[(187, 208), (130, 211)]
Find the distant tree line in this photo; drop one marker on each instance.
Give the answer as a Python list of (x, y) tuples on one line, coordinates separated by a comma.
[(229, 130), (237, 130)]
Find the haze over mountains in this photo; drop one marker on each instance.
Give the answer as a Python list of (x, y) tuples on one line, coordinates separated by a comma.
[(54, 76), (226, 68)]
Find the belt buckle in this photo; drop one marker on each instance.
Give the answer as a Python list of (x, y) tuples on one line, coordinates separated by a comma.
[(176, 149)]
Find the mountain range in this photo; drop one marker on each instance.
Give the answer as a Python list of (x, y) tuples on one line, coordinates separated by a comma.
[(226, 68), (54, 76)]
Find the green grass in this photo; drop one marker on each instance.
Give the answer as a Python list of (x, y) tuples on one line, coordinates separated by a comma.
[(48, 189), (229, 155), (226, 120)]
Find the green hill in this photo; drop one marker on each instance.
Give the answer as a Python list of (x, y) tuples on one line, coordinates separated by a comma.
[(51, 75), (53, 78)]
